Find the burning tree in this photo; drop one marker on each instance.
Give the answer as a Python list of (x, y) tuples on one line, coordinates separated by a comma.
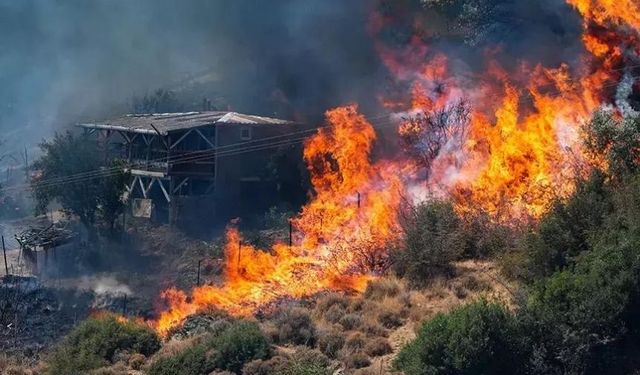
[(424, 135)]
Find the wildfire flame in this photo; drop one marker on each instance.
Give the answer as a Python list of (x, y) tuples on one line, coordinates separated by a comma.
[(519, 149), (351, 218)]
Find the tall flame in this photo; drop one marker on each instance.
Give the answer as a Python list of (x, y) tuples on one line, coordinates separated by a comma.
[(351, 218)]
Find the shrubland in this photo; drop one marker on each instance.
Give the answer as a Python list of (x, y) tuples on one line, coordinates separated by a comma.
[(465, 295)]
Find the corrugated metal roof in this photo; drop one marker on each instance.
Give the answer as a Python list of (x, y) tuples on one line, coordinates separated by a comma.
[(168, 122)]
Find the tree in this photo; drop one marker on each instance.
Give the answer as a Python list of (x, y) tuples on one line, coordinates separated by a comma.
[(72, 172), (433, 238), (615, 139), (424, 135)]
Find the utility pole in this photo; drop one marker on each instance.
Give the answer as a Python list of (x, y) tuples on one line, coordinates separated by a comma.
[(4, 251), (358, 200), (239, 252), (26, 164), (290, 233), (198, 278)]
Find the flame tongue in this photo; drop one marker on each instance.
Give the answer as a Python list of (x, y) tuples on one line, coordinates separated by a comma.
[(351, 218)]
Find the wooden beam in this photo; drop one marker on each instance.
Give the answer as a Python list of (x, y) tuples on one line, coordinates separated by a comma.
[(166, 145), (144, 192), (181, 184), (164, 191), (151, 182), (185, 135), (205, 138)]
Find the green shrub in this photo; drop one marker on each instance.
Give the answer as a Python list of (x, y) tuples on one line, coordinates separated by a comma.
[(95, 341), (433, 238), (479, 338), (237, 345), (577, 315), (192, 361)]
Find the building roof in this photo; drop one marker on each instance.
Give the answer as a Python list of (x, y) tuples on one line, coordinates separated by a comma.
[(168, 122)]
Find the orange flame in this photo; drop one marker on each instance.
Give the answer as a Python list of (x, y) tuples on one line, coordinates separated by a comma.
[(352, 215)]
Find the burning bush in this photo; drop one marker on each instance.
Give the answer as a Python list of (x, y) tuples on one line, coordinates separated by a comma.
[(94, 342)]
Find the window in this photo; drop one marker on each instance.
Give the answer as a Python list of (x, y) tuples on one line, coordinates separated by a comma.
[(245, 133)]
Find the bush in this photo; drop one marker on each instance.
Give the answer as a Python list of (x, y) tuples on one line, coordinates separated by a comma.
[(331, 299), (330, 342), (265, 367), (351, 321), (95, 341), (303, 361), (240, 343), (433, 238), (564, 232), (357, 360), (295, 327), (334, 314), (390, 318), (381, 288), (377, 347), (355, 342), (479, 338), (372, 329), (192, 361), (237, 345), (579, 315)]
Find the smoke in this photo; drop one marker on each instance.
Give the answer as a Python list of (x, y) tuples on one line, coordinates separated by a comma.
[(104, 285), (72, 59)]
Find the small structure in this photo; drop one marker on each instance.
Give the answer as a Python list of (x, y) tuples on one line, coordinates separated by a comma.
[(179, 161), (37, 242)]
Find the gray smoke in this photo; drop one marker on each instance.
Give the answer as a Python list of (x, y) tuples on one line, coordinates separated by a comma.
[(62, 60)]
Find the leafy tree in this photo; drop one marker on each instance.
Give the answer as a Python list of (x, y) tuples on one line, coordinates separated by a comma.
[(72, 172), (617, 139)]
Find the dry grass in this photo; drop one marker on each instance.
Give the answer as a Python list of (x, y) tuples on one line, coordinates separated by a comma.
[(329, 300), (172, 348), (330, 342), (383, 288), (377, 347)]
